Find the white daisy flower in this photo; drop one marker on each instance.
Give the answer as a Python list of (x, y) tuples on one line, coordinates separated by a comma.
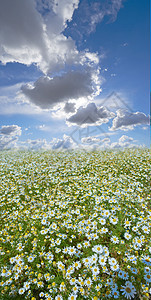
[(72, 297), (94, 258), (127, 236), (102, 260), (54, 226), (102, 221), (26, 285), (88, 282), (44, 222), (104, 230), (146, 229), (87, 261), (71, 250), (127, 223), (30, 258), (75, 289), (115, 267), (128, 290), (95, 270), (113, 220), (112, 261), (21, 291), (73, 281), (98, 249), (58, 297), (12, 260), (86, 244), (114, 239), (77, 265)]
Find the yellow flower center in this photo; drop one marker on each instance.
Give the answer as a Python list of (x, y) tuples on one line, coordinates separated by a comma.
[(128, 290)]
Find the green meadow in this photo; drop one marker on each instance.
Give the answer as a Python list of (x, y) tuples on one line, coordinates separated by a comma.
[(75, 225)]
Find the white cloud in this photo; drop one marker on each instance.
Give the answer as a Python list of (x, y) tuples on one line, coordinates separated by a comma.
[(21, 32), (29, 36), (56, 13), (46, 92), (32, 32), (9, 136), (10, 130), (65, 143), (91, 115), (61, 111), (115, 145), (124, 142), (90, 140), (94, 142), (12, 142), (92, 57), (7, 142), (105, 141), (125, 138), (64, 9), (127, 121), (34, 145)]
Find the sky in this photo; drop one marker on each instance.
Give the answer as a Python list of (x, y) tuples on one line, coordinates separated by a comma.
[(74, 74)]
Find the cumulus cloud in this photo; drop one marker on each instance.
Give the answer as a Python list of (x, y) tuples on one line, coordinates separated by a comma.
[(124, 142), (125, 138), (90, 140), (127, 121), (21, 32), (12, 142), (10, 130), (98, 143), (93, 143), (69, 107), (105, 141), (37, 144), (90, 115), (34, 34), (7, 142), (64, 9), (46, 92), (9, 136), (95, 140), (59, 11), (65, 143)]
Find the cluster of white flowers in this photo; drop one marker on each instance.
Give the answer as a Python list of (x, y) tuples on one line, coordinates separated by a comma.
[(75, 225)]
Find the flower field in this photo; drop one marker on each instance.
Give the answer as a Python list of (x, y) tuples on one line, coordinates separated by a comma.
[(75, 225)]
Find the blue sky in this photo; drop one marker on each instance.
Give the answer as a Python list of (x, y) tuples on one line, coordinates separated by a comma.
[(74, 74)]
